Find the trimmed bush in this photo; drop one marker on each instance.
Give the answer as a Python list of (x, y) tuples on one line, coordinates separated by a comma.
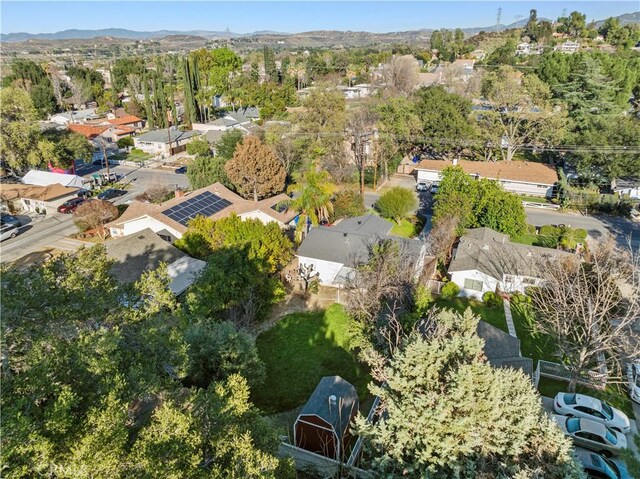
[(548, 230), (397, 203), (531, 229), (519, 298), (580, 235), (450, 291), (491, 299)]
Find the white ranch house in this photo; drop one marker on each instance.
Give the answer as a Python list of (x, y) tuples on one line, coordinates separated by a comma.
[(520, 177), (485, 260)]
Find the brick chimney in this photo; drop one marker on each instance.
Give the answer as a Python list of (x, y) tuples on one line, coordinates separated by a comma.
[(179, 193)]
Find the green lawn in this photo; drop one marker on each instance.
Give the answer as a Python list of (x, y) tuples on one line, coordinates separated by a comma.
[(494, 316), (298, 351), (408, 227), (533, 199), (538, 346)]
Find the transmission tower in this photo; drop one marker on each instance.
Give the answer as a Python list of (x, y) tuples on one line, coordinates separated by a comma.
[(498, 18), (564, 12)]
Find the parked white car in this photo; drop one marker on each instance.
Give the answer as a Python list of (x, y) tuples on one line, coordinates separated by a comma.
[(579, 405), (8, 231), (422, 186), (591, 434)]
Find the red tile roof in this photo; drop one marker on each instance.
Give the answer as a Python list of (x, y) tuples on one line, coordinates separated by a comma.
[(125, 120), (88, 131)]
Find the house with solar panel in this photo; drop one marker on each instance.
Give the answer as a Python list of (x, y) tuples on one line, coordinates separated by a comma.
[(169, 220)]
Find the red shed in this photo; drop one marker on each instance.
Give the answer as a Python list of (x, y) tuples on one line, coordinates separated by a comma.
[(323, 424)]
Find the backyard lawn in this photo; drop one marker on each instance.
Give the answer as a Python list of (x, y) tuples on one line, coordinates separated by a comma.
[(408, 227), (494, 316), (298, 351)]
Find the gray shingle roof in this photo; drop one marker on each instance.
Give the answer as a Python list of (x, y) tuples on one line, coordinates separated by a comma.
[(339, 416), (347, 242), (139, 252), (494, 254), (162, 136)]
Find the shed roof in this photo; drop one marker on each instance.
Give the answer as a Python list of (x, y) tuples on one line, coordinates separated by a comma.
[(523, 171), (338, 416), (145, 251)]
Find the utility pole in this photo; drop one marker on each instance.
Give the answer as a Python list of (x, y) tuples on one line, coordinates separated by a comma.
[(499, 18), (358, 145), (106, 159)]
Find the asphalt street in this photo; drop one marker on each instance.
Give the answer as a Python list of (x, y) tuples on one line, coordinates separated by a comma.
[(39, 234)]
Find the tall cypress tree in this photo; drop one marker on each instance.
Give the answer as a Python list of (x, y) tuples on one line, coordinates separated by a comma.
[(270, 68), (189, 105), (147, 103), (162, 102)]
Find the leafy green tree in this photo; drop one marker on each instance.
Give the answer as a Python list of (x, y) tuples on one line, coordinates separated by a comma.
[(448, 413), (218, 350), (347, 203), (314, 200), (32, 78), (199, 147), (478, 204), (226, 146), (575, 24), (265, 243), (322, 122), (446, 124), (206, 170), (398, 125), (123, 69), (19, 132), (397, 203), (241, 297), (520, 111), (126, 142)]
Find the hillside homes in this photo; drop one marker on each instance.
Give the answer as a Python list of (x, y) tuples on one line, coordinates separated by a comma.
[(520, 177)]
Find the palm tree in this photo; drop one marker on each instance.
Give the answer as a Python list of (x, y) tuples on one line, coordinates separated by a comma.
[(314, 200)]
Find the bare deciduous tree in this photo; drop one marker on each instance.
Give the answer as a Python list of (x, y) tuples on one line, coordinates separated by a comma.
[(402, 73), (93, 214), (588, 308), (360, 125), (441, 237), (380, 291)]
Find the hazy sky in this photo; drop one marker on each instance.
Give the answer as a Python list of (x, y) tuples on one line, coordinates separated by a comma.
[(289, 16)]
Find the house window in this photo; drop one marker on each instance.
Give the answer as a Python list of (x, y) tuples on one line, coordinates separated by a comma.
[(530, 281), (474, 284)]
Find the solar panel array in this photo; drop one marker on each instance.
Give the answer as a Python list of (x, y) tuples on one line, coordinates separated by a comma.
[(206, 204)]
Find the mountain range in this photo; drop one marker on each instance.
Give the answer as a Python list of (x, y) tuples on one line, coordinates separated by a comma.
[(122, 33)]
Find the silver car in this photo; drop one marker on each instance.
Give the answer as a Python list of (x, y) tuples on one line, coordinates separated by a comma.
[(579, 405), (590, 434), (8, 231)]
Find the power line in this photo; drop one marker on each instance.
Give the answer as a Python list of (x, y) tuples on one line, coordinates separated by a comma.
[(614, 149)]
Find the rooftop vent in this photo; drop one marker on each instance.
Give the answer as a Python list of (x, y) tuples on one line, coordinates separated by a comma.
[(344, 234), (333, 400), (485, 247)]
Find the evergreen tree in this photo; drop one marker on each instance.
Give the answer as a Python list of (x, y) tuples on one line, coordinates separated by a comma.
[(270, 68), (148, 106), (448, 413), (255, 71)]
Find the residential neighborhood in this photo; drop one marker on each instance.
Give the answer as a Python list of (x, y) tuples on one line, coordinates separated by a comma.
[(373, 239)]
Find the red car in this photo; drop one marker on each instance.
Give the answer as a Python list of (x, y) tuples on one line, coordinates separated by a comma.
[(70, 206)]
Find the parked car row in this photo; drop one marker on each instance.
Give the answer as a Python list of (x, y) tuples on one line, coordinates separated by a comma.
[(598, 429), (633, 376), (424, 186)]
